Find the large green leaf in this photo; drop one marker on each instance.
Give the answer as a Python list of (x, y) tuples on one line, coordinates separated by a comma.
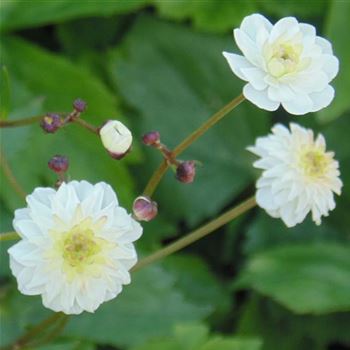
[(266, 232), (196, 337), (149, 307), (198, 283), (176, 79), (284, 8), (17, 14), (211, 15), (273, 324), (338, 20), (305, 278), (17, 312)]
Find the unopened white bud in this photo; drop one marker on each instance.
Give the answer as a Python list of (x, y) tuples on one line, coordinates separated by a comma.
[(116, 138)]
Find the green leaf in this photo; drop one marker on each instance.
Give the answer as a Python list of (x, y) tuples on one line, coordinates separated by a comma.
[(273, 324), (304, 278), (338, 19), (149, 307), (266, 232), (198, 283), (18, 14), (187, 336), (211, 15), (175, 79), (17, 312), (231, 343), (284, 8), (4, 93)]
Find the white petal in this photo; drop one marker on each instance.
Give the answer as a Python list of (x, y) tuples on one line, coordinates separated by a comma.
[(309, 33), (264, 198), (254, 23), (83, 189), (255, 76), (236, 63), (331, 67), (324, 44), (302, 104), (305, 83), (282, 93), (29, 230), (248, 47), (322, 99), (286, 27), (259, 98)]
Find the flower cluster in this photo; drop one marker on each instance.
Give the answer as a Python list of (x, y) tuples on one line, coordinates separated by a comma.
[(299, 175), (76, 246), (285, 63)]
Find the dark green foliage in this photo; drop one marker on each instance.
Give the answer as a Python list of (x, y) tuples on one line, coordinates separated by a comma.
[(158, 65)]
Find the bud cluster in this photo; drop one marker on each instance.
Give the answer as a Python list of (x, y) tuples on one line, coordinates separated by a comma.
[(185, 170), (52, 121)]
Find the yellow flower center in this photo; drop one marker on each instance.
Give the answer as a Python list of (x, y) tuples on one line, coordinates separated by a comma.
[(284, 58), (80, 249), (314, 163)]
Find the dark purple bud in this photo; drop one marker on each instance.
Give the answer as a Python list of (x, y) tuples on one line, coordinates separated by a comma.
[(186, 171), (151, 138), (144, 208), (51, 123), (79, 105), (58, 163)]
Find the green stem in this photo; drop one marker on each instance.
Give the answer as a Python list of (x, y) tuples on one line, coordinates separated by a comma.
[(155, 179), (10, 176), (86, 125), (9, 236), (208, 124), (159, 173), (36, 330), (20, 122), (57, 329), (197, 234)]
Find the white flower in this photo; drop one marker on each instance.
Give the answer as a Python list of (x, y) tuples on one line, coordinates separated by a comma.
[(298, 176), (116, 138), (285, 63), (76, 246)]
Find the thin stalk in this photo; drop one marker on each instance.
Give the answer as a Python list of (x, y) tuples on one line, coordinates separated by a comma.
[(86, 125), (36, 330), (10, 176), (57, 329), (208, 124), (20, 122), (197, 234), (215, 118), (8, 236), (155, 179)]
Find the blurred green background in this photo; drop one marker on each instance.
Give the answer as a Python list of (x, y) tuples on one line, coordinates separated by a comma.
[(157, 65)]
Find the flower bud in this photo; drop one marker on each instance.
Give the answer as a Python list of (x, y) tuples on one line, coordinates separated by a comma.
[(144, 208), (186, 171), (151, 138), (79, 105), (116, 138), (51, 123), (58, 163)]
